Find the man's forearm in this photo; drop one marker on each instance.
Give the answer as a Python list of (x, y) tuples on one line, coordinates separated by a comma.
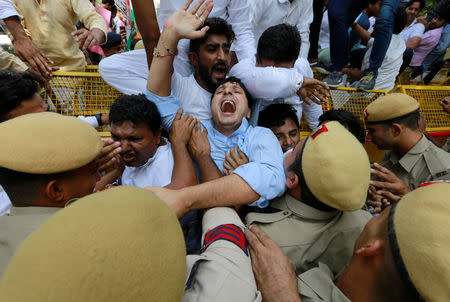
[(15, 28), (159, 77), (144, 12), (413, 42), (226, 191), (183, 173), (208, 169)]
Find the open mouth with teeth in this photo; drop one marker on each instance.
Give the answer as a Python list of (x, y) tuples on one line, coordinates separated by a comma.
[(228, 106)]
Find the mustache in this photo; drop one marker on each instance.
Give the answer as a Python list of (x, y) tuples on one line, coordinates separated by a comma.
[(220, 64)]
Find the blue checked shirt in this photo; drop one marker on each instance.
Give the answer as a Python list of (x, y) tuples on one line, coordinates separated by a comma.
[(264, 173)]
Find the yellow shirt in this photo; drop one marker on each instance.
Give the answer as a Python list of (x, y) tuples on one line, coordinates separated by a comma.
[(9, 61), (50, 24)]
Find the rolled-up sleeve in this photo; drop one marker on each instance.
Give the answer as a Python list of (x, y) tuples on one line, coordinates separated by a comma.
[(167, 107), (239, 12), (87, 14), (267, 82), (7, 9), (264, 173), (306, 17)]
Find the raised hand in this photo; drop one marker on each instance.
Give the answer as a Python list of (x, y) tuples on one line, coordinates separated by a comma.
[(184, 24), (181, 128), (234, 160), (389, 182)]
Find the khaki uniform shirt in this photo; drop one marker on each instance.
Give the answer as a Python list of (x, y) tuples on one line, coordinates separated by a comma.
[(424, 162), (50, 24), (223, 272), (16, 226), (308, 236), (9, 61), (446, 146), (317, 285)]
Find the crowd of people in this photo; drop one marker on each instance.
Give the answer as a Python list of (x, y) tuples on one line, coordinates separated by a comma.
[(205, 191)]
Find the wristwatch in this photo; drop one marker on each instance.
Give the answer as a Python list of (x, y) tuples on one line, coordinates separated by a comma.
[(98, 116)]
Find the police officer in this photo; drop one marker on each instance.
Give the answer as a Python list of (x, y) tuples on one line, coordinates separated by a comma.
[(319, 217), (392, 122), (125, 244), (393, 260), (47, 160)]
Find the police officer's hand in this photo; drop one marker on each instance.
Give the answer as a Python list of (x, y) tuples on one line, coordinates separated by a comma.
[(389, 182), (374, 200), (274, 272), (313, 90), (233, 160), (108, 155), (181, 128), (199, 146)]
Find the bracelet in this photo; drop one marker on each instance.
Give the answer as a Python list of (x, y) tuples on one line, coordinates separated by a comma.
[(157, 53)]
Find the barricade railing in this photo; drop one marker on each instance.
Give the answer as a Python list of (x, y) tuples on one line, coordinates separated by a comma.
[(85, 93)]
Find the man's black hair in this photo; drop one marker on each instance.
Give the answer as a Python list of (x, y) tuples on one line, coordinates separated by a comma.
[(422, 3), (275, 115), (14, 89), (23, 189), (239, 82), (400, 20), (346, 119), (137, 109), (217, 26), (444, 13), (280, 43), (410, 120), (373, 1), (110, 2)]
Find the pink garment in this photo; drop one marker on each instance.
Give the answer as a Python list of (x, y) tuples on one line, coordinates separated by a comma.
[(106, 14), (429, 40)]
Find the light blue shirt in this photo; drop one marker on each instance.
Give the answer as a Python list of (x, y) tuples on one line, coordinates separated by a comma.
[(264, 173)]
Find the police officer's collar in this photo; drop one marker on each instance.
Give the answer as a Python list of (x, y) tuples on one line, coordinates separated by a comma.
[(300, 209)]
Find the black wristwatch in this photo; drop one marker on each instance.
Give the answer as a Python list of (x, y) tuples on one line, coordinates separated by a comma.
[(98, 116)]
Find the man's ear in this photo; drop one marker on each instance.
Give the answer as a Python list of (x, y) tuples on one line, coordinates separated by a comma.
[(193, 58), (371, 249), (292, 180), (396, 129), (54, 191), (158, 134), (249, 113)]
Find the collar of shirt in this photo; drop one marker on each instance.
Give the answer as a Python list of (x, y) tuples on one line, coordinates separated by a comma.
[(300, 209), (16, 211), (236, 134), (410, 159)]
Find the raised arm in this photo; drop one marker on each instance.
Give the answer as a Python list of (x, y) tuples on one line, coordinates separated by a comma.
[(144, 12), (181, 24), (96, 35)]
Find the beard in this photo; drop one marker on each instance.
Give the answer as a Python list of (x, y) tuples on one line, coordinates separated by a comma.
[(206, 75)]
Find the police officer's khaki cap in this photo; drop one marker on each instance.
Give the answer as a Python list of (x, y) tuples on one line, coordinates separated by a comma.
[(123, 244), (336, 168), (390, 106), (419, 233), (46, 143)]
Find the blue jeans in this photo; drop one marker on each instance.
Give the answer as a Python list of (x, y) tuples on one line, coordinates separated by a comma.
[(341, 15), (382, 34), (439, 49)]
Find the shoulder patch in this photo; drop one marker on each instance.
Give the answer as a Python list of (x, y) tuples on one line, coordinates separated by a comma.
[(229, 232), (320, 130)]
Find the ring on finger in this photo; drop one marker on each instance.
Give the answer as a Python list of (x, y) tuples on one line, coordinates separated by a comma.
[(201, 20), (197, 16)]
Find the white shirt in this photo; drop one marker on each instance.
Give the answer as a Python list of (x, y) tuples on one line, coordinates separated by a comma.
[(7, 9), (391, 64), (156, 172), (413, 30), (5, 203), (267, 13), (195, 100), (324, 35), (235, 12)]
